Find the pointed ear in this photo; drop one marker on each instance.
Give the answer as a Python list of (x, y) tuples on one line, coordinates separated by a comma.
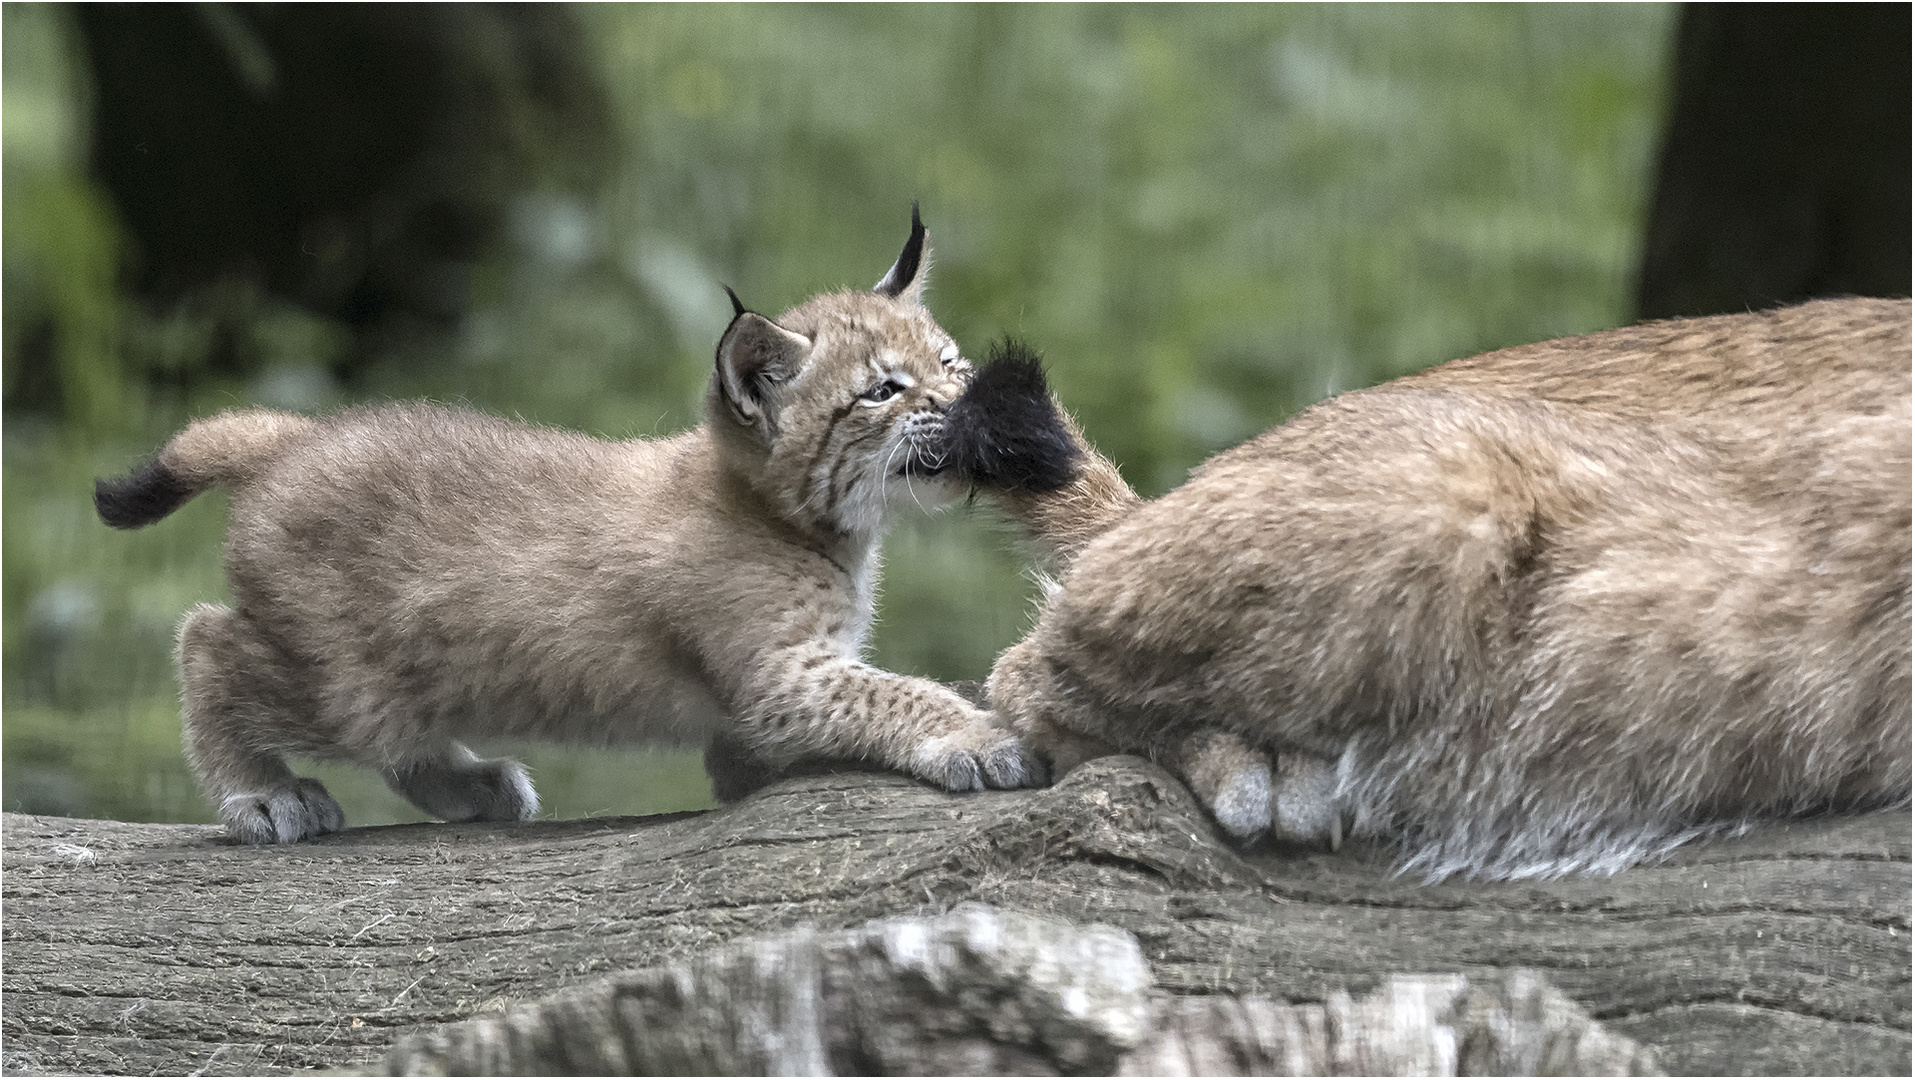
[(906, 278), (753, 354)]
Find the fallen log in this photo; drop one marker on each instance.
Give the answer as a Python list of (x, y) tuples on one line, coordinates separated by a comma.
[(981, 992), (162, 948)]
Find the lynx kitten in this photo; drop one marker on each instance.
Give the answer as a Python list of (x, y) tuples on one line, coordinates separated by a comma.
[(405, 577), (1559, 607)]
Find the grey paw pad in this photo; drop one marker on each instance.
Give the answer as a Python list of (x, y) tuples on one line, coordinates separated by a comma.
[(521, 798), (505, 793), (470, 790)]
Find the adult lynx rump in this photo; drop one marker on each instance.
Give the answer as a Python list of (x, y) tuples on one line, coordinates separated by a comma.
[(1553, 608), (409, 576)]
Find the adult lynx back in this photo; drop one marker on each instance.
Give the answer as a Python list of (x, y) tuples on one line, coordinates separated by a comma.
[(410, 576), (1554, 608)]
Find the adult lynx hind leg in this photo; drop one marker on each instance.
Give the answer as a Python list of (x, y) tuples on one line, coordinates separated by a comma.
[(1290, 795), (239, 713), (1019, 695), (1017, 443)]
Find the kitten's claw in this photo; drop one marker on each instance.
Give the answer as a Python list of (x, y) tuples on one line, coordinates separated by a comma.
[(1010, 764), (1002, 761), (285, 814)]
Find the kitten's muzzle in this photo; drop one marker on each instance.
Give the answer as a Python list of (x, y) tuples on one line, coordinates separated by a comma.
[(924, 463), (927, 453)]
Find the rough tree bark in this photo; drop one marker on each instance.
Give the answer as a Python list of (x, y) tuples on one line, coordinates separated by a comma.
[(160, 948), (983, 992)]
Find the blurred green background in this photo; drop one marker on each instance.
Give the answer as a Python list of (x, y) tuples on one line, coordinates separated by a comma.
[(1205, 217)]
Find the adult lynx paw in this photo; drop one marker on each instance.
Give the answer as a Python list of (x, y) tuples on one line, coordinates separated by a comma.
[(283, 814), (974, 759), (1018, 692), (1303, 806), (1241, 801), (1291, 796), (1229, 776)]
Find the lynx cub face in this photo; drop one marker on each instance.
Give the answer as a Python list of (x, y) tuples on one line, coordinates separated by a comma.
[(1554, 608), (838, 406), (408, 577)]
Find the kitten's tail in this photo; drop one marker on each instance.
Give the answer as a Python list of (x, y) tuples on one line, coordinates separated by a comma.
[(220, 451)]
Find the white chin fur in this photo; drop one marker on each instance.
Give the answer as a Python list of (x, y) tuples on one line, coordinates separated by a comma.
[(920, 492)]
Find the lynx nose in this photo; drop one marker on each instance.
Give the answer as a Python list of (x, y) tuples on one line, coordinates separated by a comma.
[(944, 393)]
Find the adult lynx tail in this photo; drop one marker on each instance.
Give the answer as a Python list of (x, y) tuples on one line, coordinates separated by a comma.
[(1010, 437), (220, 451)]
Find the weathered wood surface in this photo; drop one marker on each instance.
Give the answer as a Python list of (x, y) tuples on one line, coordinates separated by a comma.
[(986, 992), (161, 948)]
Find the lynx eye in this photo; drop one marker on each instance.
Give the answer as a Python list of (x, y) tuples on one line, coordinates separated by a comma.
[(881, 393), (950, 354)]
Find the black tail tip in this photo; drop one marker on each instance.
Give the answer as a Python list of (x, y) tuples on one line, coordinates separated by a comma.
[(1005, 431), (142, 497)]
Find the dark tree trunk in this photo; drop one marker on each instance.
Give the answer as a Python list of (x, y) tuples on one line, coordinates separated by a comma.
[(353, 158), (161, 948), (1785, 166)]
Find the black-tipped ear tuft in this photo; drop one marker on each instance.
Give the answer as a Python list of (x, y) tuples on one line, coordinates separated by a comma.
[(737, 305), (1005, 431), (148, 494), (904, 273)]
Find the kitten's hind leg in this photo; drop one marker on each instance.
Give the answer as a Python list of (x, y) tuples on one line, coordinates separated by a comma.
[(237, 713), (459, 785)]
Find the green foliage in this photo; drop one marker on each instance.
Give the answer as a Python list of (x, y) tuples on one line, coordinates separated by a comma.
[(1205, 217), (61, 245)]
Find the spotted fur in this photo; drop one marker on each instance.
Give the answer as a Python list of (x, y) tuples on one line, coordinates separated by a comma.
[(406, 577)]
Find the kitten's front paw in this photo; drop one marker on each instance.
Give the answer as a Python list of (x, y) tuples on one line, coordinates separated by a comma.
[(283, 814), (974, 759)]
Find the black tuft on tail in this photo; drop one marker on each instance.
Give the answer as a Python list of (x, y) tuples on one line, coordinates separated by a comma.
[(1005, 431), (142, 497)]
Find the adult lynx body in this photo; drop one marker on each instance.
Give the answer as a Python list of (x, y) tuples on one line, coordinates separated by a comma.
[(1553, 608), (407, 577)]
